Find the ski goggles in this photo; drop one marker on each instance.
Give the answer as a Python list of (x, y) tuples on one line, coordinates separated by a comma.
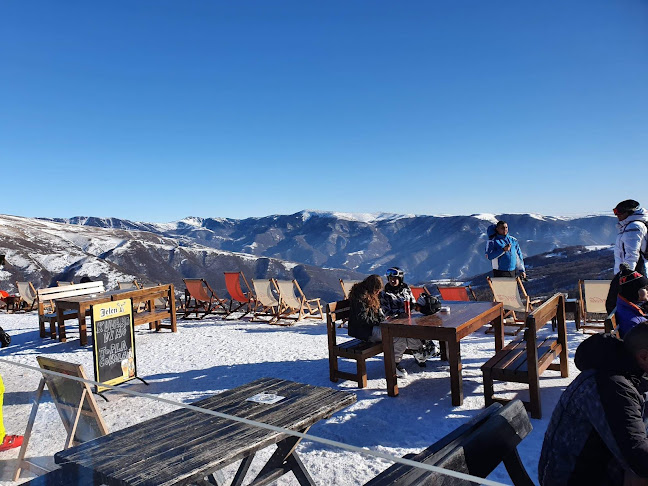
[(393, 273)]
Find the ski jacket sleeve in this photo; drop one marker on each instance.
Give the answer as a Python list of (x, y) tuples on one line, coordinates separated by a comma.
[(496, 248), (520, 259), (631, 240), (624, 431)]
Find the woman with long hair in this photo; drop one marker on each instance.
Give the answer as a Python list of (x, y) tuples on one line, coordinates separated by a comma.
[(366, 315)]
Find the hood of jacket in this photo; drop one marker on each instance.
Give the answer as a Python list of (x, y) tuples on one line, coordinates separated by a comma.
[(491, 231), (639, 215), (603, 352)]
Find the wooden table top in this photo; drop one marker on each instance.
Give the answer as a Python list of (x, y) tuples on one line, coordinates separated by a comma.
[(184, 446), (460, 314), (105, 296)]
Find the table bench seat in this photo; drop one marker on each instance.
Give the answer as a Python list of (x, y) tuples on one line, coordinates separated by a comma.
[(47, 309), (524, 360), (511, 364), (476, 447), (355, 349)]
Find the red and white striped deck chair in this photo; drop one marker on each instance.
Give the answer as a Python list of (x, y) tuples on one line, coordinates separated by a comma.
[(239, 297), (457, 293), (199, 297)]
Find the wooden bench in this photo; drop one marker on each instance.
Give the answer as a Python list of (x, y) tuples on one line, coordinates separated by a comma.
[(355, 349), (524, 360), (475, 448), (150, 313), (46, 297)]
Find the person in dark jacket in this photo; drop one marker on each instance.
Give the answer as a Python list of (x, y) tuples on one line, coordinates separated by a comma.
[(396, 293), (631, 301), (597, 435), (366, 315)]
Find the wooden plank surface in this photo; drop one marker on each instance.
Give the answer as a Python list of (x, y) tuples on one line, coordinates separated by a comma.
[(183, 446)]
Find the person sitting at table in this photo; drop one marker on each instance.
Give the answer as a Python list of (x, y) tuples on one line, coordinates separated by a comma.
[(366, 315), (392, 301)]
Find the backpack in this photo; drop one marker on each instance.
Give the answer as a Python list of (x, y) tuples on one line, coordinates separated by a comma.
[(5, 339), (428, 304)]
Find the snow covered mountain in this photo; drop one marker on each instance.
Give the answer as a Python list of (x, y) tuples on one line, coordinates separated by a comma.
[(45, 252), (317, 248), (426, 247)]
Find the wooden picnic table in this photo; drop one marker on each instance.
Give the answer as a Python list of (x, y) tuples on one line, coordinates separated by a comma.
[(81, 304), (184, 446), (449, 328)]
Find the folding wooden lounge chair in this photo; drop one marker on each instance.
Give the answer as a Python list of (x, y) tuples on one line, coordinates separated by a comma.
[(417, 291), (346, 286), (201, 297), (510, 292), (290, 304), (456, 293), (28, 295), (266, 303), (128, 285), (591, 300), (245, 299)]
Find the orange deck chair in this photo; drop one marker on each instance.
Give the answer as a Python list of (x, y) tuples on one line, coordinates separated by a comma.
[(200, 297), (417, 291), (456, 293), (233, 284)]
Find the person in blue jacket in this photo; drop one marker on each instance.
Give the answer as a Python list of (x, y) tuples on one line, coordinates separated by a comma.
[(504, 252), (632, 300)]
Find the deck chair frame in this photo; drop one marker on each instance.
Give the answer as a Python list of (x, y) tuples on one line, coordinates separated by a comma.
[(25, 288), (290, 304), (521, 302), (593, 313), (267, 305), (418, 291), (457, 293), (239, 297), (199, 296), (346, 286)]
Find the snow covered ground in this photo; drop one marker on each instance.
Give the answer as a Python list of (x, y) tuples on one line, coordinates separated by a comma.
[(208, 356)]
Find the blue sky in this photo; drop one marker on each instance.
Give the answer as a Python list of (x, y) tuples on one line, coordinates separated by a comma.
[(157, 110)]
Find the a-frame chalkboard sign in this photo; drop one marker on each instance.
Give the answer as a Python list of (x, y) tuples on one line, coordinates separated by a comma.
[(113, 335), (75, 404)]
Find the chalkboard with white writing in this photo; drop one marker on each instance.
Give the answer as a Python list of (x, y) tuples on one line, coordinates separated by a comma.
[(113, 342)]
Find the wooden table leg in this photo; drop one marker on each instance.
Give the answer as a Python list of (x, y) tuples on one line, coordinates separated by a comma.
[(443, 351), (390, 362), (456, 383), (283, 460), (498, 329), (83, 335), (60, 321)]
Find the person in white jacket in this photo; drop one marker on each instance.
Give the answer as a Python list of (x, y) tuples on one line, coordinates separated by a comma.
[(630, 246), (631, 237)]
